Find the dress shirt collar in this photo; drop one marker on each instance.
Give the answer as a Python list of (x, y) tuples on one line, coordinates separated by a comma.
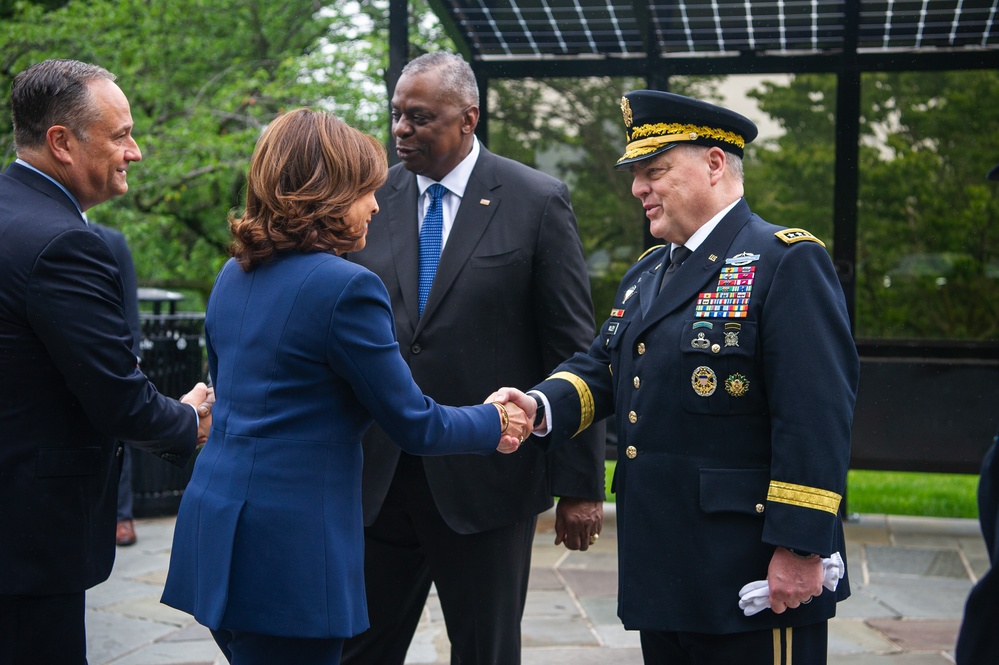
[(457, 179), (701, 234), (54, 181)]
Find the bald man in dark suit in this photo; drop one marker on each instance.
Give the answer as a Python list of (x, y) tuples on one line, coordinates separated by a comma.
[(508, 302)]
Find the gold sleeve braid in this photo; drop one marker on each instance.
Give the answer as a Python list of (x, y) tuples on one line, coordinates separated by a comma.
[(804, 496), (586, 407)]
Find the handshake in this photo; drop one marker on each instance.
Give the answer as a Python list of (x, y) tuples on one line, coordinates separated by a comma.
[(201, 397), (517, 411)]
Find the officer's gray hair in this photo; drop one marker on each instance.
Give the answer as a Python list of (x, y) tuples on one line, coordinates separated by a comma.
[(458, 84), (54, 92), (733, 163)]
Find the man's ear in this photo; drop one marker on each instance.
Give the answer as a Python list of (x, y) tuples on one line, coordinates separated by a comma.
[(470, 119), (716, 159), (61, 143)]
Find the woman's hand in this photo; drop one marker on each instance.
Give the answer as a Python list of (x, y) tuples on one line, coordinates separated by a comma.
[(515, 426)]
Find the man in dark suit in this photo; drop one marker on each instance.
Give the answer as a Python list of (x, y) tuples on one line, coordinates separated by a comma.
[(70, 384), (729, 363), (508, 302), (125, 528)]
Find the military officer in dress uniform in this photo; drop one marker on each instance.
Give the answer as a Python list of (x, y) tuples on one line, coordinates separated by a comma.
[(729, 362)]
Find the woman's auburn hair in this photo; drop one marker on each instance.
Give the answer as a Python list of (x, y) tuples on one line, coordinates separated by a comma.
[(307, 170)]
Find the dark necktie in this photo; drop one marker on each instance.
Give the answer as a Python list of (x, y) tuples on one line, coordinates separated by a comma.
[(430, 241), (676, 259)]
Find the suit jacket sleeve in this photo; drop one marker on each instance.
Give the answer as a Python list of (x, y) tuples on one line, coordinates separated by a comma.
[(366, 354), (74, 304), (129, 282), (564, 311)]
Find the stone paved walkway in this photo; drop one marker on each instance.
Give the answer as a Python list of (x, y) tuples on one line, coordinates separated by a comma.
[(910, 577)]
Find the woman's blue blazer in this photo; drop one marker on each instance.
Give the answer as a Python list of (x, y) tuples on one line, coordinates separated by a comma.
[(303, 356)]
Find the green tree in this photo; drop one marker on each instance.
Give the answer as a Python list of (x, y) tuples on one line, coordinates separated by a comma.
[(928, 238), (203, 79)]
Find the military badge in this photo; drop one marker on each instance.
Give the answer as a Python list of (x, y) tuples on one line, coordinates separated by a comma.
[(704, 381), (742, 259), (732, 334), (700, 342), (626, 112), (630, 292), (737, 385)]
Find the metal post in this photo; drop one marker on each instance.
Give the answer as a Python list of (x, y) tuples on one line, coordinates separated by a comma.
[(847, 177), (398, 55)]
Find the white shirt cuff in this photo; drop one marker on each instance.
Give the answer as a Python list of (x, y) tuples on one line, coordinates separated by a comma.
[(546, 426)]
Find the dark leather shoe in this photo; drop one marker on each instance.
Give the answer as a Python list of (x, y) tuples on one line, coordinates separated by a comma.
[(125, 534)]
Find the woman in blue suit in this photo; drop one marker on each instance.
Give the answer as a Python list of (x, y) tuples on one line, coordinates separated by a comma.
[(268, 548)]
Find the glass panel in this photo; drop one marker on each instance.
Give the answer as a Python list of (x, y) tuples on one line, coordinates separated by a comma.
[(928, 231)]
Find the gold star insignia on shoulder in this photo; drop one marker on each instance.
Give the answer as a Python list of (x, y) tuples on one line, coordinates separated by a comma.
[(791, 236)]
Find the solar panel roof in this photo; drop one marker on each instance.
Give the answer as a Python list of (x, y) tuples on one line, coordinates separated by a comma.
[(539, 29)]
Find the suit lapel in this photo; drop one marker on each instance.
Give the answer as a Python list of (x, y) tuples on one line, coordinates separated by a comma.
[(648, 287), (702, 266), (400, 210), (478, 205), (42, 184)]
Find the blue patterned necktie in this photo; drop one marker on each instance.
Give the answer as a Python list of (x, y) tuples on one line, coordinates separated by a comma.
[(430, 241)]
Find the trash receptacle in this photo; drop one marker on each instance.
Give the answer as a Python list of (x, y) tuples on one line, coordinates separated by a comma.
[(173, 357)]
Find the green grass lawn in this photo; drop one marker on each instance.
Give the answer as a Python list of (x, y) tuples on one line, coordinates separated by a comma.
[(901, 493)]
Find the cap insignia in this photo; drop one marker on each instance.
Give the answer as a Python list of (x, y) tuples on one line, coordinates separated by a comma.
[(626, 111)]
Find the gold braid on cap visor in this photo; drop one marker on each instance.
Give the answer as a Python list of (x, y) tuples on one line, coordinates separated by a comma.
[(660, 134)]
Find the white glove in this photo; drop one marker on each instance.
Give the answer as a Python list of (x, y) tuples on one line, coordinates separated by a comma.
[(755, 596)]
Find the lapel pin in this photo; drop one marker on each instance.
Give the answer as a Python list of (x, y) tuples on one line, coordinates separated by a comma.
[(713, 258), (483, 202)]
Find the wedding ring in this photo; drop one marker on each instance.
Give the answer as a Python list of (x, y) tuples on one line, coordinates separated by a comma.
[(522, 439), (593, 538), (805, 602)]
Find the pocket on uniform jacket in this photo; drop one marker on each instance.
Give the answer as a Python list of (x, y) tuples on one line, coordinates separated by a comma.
[(68, 462), (495, 260), (734, 490), (720, 373)]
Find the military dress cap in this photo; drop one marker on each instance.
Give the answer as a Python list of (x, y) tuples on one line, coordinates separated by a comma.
[(656, 121)]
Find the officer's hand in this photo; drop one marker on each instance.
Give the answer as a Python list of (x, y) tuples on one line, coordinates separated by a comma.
[(578, 522), (793, 581)]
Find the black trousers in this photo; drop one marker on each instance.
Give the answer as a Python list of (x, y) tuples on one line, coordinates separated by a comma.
[(43, 629), (481, 579), (242, 648), (802, 645)]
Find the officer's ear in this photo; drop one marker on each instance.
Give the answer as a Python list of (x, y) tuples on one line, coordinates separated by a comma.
[(715, 159)]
